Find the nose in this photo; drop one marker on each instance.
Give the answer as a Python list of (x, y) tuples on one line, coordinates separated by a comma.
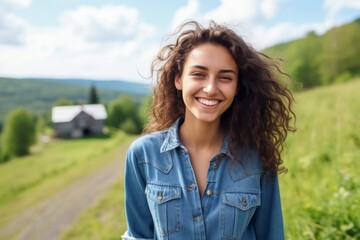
[(210, 87)]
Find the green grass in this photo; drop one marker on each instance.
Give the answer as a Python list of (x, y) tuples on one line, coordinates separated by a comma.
[(105, 220), (28, 180), (320, 193)]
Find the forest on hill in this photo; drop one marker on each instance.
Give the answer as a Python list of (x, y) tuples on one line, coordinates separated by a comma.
[(38, 96), (317, 60)]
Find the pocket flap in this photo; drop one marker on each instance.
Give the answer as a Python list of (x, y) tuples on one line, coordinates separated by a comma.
[(161, 194), (243, 201)]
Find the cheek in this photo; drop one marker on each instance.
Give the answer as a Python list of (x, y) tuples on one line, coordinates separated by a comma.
[(231, 91)]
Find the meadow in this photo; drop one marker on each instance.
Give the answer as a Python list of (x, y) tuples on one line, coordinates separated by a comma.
[(320, 191)]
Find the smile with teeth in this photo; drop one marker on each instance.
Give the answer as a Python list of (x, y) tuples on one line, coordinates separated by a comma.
[(208, 102)]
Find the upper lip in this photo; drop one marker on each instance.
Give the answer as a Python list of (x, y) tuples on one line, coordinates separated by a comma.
[(209, 99)]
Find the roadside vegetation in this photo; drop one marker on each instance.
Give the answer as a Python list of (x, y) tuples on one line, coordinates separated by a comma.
[(52, 166)]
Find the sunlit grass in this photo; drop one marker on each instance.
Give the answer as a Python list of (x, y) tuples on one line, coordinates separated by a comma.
[(320, 192), (105, 220)]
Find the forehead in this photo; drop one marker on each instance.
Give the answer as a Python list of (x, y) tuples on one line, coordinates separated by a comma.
[(211, 56)]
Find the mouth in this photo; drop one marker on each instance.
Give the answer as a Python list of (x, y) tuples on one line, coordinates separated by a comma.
[(208, 102)]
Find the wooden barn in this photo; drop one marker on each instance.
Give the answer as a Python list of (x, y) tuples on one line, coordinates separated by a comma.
[(78, 120)]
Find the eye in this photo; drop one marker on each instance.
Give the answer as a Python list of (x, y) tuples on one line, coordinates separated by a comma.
[(198, 75), (225, 78)]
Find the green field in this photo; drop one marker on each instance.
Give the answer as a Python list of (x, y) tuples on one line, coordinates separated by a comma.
[(320, 192)]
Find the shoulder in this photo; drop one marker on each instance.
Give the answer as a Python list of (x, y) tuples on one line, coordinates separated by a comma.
[(146, 150), (146, 144), (247, 163), (150, 140)]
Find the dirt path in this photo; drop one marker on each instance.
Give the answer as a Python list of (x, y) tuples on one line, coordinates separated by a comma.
[(48, 219)]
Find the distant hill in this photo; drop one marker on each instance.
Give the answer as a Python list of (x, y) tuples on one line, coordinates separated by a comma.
[(38, 95), (322, 59), (132, 88)]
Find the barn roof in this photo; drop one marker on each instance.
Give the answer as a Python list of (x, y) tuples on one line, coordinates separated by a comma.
[(68, 113)]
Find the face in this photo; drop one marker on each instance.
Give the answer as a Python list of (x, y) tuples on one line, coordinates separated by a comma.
[(208, 82)]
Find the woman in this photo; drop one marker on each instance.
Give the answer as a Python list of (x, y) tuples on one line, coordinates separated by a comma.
[(207, 169)]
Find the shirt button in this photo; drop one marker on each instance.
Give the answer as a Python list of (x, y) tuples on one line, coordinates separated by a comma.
[(244, 201), (190, 187), (197, 218), (209, 192), (215, 165), (160, 196)]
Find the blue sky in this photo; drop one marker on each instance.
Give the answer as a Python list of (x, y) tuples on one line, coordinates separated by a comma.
[(108, 39)]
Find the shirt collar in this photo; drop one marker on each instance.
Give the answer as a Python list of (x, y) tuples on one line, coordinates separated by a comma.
[(172, 139)]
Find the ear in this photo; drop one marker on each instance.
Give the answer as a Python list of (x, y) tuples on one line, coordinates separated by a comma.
[(178, 83)]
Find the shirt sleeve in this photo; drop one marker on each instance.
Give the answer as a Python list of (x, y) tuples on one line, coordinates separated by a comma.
[(139, 220), (268, 220)]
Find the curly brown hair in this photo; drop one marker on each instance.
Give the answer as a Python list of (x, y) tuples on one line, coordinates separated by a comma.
[(261, 113)]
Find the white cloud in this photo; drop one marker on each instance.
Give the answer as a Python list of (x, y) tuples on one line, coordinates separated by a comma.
[(269, 8), (233, 10), (12, 29), (109, 42), (15, 3), (188, 12), (106, 24), (284, 32), (334, 6), (244, 10)]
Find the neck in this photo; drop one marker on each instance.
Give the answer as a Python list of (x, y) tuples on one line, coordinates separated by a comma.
[(198, 135)]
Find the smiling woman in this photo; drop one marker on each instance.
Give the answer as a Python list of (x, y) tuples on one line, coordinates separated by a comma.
[(207, 169)]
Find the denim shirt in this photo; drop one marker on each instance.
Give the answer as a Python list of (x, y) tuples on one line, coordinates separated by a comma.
[(163, 202)]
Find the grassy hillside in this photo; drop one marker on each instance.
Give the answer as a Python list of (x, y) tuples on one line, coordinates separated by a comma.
[(322, 59), (321, 191)]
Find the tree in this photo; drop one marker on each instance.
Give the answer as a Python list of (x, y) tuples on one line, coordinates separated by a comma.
[(19, 133), (93, 97), (145, 110), (121, 110)]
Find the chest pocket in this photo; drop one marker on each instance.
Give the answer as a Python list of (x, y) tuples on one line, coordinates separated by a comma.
[(237, 210), (164, 204)]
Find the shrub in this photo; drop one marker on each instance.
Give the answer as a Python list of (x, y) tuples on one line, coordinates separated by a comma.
[(19, 133)]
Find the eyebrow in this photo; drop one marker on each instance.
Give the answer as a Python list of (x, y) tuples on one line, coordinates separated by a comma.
[(221, 71)]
